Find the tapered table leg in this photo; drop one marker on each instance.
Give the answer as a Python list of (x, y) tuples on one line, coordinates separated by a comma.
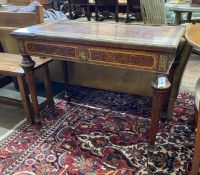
[(48, 89), (166, 102), (66, 80), (160, 88), (28, 66)]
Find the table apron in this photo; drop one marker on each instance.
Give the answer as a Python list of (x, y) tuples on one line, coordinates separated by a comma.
[(152, 61)]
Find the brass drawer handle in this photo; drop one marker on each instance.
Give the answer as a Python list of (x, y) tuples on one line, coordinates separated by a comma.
[(83, 56)]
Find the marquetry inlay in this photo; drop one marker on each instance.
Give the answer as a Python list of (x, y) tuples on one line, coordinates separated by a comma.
[(100, 55), (163, 63), (122, 58), (51, 50)]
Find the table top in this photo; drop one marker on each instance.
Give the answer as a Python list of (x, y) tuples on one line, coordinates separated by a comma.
[(182, 7), (109, 33), (193, 35)]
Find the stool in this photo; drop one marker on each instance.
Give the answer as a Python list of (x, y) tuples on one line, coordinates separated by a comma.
[(10, 66), (196, 157)]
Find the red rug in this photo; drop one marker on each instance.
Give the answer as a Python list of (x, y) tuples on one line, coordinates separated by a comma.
[(101, 133)]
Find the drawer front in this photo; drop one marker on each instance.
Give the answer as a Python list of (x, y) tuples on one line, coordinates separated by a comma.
[(45, 49), (133, 59), (124, 59)]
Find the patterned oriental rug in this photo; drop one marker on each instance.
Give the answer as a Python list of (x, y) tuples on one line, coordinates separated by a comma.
[(101, 133)]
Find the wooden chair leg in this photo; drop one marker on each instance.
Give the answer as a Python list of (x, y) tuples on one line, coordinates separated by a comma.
[(15, 83), (47, 86), (88, 13), (167, 98), (25, 97), (127, 11), (196, 157), (66, 80), (96, 13), (189, 16), (70, 10), (117, 12)]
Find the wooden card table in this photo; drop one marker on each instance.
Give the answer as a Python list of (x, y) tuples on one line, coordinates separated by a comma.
[(193, 38), (144, 48)]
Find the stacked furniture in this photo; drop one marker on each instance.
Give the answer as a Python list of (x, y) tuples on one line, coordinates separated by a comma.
[(103, 9)]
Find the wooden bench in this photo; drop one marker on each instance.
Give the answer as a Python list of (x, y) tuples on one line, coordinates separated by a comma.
[(10, 66), (10, 63), (16, 20)]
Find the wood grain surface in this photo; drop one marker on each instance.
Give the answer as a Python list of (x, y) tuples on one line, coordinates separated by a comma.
[(193, 35), (135, 35)]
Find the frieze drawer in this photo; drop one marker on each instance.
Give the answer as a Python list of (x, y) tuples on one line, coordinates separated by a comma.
[(129, 59), (121, 58), (50, 50)]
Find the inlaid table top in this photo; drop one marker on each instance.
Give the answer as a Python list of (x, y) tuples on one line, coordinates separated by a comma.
[(193, 35), (114, 34)]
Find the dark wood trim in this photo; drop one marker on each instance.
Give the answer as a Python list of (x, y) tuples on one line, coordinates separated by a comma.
[(66, 80), (9, 101)]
